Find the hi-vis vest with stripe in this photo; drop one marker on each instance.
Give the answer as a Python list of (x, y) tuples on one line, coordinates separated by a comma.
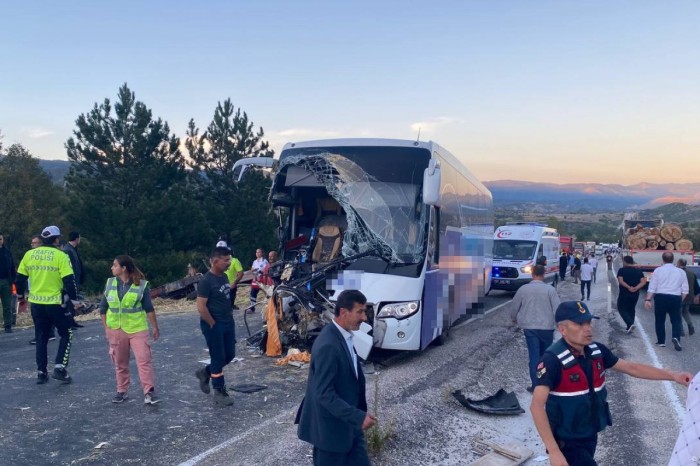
[(577, 407), (127, 313), (46, 267)]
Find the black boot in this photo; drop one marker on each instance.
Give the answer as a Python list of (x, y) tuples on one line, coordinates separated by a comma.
[(691, 329), (222, 398)]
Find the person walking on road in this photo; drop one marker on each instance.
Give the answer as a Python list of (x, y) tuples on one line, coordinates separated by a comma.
[(572, 262), (569, 405), (259, 265), (630, 280), (71, 248), (217, 325), (48, 268), (126, 309), (7, 279), (594, 263), (532, 309), (688, 301), (333, 413), (668, 287), (586, 277), (563, 263)]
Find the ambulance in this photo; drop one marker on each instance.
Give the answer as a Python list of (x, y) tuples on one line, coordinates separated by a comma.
[(517, 248)]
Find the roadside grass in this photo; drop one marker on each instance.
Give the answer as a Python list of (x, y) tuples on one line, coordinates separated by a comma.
[(382, 432)]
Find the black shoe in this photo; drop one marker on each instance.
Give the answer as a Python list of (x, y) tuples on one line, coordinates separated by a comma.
[(8, 329), (530, 389), (62, 375), (77, 325), (663, 345), (42, 378), (32, 341), (222, 398), (691, 329), (677, 344), (51, 338), (203, 377), (120, 397)]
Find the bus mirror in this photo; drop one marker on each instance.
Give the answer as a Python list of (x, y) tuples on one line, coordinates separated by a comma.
[(431, 184)]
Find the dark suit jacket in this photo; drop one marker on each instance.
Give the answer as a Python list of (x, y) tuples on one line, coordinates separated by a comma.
[(75, 262), (332, 412)]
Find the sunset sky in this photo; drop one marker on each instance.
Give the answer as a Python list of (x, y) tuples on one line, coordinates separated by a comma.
[(556, 91)]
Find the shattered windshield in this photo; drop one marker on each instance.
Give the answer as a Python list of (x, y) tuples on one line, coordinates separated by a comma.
[(512, 249), (380, 190)]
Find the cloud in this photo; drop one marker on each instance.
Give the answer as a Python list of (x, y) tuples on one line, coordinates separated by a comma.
[(432, 125), (306, 133), (38, 133)]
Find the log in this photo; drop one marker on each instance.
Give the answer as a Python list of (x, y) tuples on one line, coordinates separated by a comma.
[(684, 245), (636, 242), (671, 232), (652, 244), (662, 243), (670, 246)]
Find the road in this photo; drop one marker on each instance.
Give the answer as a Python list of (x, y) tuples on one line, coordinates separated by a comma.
[(62, 424)]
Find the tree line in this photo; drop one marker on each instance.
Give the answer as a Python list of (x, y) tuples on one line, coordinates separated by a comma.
[(136, 188)]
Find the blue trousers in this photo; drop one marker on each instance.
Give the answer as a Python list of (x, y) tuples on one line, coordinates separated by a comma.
[(221, 341), (579, 452), (537, 343), (671, 305), (357, 456)]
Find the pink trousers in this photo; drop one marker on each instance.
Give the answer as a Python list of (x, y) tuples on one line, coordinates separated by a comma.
[(120, 344)]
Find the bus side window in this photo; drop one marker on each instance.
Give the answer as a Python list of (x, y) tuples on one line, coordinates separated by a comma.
[(434, 238)]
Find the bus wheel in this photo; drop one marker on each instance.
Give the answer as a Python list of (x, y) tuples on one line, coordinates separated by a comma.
[(442, 338)]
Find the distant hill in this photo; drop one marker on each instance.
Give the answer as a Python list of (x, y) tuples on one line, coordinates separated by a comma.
[(590, 196), (676, 212), (57, 169)]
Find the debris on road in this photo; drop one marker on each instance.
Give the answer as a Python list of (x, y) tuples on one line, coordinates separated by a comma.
[(304, 357), (101, 445), (500, 403), (248, 388), (509, 454)]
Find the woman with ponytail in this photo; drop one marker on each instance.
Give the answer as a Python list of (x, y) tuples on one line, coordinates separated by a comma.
[(126, 309)]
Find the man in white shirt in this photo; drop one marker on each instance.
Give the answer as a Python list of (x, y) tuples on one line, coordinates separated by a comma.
[(594, 263), (586, 277), (668, 288)]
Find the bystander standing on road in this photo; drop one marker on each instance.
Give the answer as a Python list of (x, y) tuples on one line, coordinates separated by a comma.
[(577, 268), (50, 273), (688, 301), (217, 325), (569, 405), (586, 277), (7, 279), (572, 262), (532, 309), (71, 248), (333, 413), (668, 287), (612, 280), (126, 310), (630, 280), (594, 263), (259, 265), (35, 243), (563, 263), (234, 273)]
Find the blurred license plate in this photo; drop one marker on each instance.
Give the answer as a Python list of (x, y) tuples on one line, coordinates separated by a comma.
[(503, 281)]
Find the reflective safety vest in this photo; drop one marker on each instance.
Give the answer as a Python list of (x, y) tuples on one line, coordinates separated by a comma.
[(127, 313), (46, 267), (577, 407)]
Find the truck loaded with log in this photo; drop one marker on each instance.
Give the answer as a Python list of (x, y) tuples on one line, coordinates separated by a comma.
[(647, 240)]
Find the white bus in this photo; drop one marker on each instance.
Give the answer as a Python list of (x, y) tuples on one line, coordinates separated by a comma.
[(425, 220)]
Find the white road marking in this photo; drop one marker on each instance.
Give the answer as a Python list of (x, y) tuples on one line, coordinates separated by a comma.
[(670, 391), (264, 427)]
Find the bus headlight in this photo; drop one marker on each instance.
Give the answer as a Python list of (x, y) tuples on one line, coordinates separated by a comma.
[(399, 310)]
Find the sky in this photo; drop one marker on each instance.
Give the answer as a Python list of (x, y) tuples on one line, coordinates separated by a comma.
[(549, 91)]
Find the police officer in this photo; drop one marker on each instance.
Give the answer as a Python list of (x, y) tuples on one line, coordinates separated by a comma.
[(50, 273), (571, 381)]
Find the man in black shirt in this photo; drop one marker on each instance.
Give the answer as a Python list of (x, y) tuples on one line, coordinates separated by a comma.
[(218, 327), (631, 280)]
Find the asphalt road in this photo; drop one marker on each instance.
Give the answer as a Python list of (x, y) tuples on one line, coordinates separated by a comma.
[(62, 424)]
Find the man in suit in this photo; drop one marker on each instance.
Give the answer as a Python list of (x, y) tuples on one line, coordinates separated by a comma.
[(333, 414)]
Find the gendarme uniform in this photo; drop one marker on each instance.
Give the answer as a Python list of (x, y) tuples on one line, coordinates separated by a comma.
[(577, 406), (51, 276)]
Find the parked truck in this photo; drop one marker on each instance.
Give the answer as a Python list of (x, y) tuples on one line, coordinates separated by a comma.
[(566, 243), (647, 240)]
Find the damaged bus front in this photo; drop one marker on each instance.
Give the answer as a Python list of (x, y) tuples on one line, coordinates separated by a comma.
[(414, 224)]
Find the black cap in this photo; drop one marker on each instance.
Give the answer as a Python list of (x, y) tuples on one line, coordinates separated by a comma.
[(575, 311)]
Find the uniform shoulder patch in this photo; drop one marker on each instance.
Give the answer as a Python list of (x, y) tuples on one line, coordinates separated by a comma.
[(541, 370)]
